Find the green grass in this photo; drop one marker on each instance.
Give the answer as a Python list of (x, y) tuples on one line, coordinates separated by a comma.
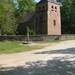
[(15, 47), (51, 41)]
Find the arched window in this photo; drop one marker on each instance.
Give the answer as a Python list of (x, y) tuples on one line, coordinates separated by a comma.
[(55, 9), (43, 7), (39, 8), (54, 22), (52, 8)]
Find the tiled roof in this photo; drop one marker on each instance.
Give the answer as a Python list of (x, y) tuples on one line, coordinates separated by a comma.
[(42, 1), (28, 17)]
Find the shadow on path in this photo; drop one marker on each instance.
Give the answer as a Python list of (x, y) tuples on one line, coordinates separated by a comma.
[(51, 67), (61, 51)]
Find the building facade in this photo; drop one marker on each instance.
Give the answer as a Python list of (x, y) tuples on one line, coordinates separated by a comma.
[(47, 20)]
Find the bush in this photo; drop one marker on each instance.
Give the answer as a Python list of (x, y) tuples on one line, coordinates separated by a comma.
[(31, 32)]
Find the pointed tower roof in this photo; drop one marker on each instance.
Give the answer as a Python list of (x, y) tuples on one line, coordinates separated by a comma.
[(42, 1)]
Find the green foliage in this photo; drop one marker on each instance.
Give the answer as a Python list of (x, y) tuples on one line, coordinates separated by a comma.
[(7, 18), (31, 32), (11, 12), (23, 7), (68, 16)]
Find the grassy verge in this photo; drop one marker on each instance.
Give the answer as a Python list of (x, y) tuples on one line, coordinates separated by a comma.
[(15, 47), (51, 41)]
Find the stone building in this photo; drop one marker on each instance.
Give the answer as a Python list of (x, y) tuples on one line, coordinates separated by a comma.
[(45, 20)]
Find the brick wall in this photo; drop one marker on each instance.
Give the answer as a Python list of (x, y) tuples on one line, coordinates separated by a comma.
[(46, 14), (41, 18), (54, 15)]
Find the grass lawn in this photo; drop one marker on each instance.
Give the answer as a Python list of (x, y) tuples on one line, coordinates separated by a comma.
[(51, 41), (15, 47)]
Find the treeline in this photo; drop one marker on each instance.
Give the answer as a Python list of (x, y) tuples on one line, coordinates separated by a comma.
[(11, 12), (68, 16)]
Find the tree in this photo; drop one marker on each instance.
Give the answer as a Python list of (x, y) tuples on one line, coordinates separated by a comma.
[(11, 12), (2, 10), (68, 16), (7, 18), (23, 7)]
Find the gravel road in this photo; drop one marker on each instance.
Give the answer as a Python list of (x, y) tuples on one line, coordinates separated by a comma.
[(56, 59)]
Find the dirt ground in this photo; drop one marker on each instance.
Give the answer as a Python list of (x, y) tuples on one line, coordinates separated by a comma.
[(54, 59)]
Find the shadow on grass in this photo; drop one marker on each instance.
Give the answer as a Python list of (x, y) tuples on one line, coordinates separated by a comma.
[(51, 67)]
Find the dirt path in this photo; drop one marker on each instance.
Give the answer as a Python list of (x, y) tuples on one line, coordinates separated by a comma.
[(56, 59)]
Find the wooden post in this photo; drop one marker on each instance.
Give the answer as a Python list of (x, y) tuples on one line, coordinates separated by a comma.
[(27, 34), (0, 29)]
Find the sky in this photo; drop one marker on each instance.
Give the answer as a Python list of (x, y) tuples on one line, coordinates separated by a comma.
[(37, 0)]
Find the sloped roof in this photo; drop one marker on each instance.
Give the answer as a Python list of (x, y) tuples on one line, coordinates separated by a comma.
[(42, 1), (28, 17)]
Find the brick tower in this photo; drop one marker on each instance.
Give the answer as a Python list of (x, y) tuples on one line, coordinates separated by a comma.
[(48, 18)]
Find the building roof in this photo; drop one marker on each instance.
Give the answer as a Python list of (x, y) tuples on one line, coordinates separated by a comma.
[(42, 1), (28, 17)]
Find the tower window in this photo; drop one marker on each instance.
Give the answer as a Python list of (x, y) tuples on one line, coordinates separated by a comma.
[(55, 9), (54, 22), (39, 8), (52, 8), (43, 7)]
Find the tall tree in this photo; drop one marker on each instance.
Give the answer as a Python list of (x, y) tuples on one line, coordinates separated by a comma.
[(68, 16), (7, 18), (11, 12), (2, 10)]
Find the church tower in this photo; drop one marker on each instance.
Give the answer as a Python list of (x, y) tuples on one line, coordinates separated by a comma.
[(48, 18)]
